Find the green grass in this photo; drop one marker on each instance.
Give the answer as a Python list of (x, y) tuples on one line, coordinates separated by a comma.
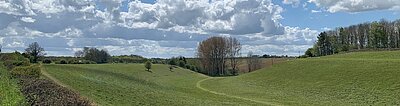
[(10, 94), (130, 84), (345, 79), (362, 78), (368, 55)]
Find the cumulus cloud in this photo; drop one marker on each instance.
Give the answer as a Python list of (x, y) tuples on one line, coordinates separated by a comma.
[(235, 17), (165, 28), (356, 5), (28, 19), (293, 2)]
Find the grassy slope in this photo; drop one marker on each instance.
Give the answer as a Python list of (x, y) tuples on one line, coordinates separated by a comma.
[(123, 84), (10, 94), (363, 78)]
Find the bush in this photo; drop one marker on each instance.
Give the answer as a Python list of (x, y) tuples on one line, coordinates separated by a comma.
[(181, 64), (41, 92), (10, 64), (46, 61), (193, 68), (62, 62), (32, 71), (187, 66), (172, 62)]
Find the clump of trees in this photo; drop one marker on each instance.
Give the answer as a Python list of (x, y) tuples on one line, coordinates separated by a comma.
[(94, 54), (215, 52), (183, 62), (381, 34), (34, 52)]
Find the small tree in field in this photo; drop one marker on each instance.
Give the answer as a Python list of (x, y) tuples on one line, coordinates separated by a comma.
[(147, 65)]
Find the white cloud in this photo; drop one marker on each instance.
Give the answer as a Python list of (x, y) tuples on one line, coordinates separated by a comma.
[(28, 19), (227, 17), (315, 11), (356, 5), (293, 2), (165, 28)]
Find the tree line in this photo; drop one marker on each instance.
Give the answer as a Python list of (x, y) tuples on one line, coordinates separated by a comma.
[(381, 34)]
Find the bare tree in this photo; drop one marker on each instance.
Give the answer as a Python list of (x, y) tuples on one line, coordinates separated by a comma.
[(253, 62), (35, 51), (249, 61), (234, 48), (215, 51), (1, 47)]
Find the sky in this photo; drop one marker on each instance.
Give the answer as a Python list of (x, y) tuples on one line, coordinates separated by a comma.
[(166, 28)]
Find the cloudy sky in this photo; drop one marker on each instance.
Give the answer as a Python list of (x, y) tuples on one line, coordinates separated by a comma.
[(166, 28)]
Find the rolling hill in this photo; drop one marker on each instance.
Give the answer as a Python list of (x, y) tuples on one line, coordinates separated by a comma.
[(359, 78)]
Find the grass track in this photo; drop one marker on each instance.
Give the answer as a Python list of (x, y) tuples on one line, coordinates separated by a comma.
[(198, 85)]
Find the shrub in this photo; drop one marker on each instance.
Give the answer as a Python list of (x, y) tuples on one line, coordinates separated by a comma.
[(181, 64), (41, 92), (32, 71), (62, 62), (46, 61), (193, 68), (187, 66), (172, 62), (10, 64)]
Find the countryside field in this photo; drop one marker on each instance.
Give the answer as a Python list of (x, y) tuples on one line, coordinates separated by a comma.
[(130, 84), (359, 78)]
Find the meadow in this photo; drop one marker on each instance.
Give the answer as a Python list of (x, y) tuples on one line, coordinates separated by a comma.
[(359, 78), (131, 84)]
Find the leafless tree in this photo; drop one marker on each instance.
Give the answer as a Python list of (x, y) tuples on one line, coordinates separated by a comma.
[(214, 53), (253, 62), (234, 48)]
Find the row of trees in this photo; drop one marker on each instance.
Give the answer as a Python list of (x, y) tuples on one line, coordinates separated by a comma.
[(216, 52), (370, 35)]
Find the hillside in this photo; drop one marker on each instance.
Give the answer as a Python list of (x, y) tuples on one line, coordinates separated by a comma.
[(360, 78), (123, 84)]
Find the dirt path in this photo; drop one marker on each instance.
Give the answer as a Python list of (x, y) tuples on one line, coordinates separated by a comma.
[(198, 85)]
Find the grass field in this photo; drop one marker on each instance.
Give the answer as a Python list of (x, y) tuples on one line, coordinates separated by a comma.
[(362, 78), (10, 94), (130, 84)]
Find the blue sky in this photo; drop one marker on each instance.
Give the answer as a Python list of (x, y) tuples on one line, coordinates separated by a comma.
[(303, 17), (167, 28)]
